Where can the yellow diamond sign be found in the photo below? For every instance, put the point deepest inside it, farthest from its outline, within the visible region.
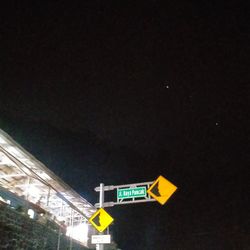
(161, 189)
(101, 220)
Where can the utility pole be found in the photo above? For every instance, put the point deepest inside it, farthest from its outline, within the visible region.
(101, 202)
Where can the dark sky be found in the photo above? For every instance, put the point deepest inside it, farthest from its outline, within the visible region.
(122, 91)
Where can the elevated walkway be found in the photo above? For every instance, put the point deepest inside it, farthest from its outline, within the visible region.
(31, 193)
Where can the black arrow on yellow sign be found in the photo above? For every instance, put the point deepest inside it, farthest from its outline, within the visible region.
(96, 220)
(155, 189)
(161, 190)
(101, 220)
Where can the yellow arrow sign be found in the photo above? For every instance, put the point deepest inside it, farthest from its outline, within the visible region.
(161, 189)
(101, 220)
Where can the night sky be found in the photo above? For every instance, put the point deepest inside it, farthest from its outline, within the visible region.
(122, 91)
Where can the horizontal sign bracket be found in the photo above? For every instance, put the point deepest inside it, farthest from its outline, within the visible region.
(133, 185)
(111, 204)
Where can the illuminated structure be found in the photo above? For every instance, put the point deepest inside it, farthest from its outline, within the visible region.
(41, 190)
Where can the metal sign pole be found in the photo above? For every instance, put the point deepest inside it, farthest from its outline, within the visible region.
(101, 202)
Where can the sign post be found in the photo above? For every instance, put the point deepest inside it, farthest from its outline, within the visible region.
(101, 200)
(159, 190)
(101, 220)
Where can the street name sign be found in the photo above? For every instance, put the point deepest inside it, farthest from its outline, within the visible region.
(101, 239)
(161, 190)
(128, 193)
(101, 220)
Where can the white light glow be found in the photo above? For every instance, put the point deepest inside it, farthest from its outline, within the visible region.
(11, 175)
(31, 213)
(4, 160)
(33, 191)
(2, 141)
(44, 176)
(79, 232)
(28, 162)
(15, 151)
(60, 218)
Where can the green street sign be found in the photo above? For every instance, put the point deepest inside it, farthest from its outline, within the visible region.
(128, 193)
